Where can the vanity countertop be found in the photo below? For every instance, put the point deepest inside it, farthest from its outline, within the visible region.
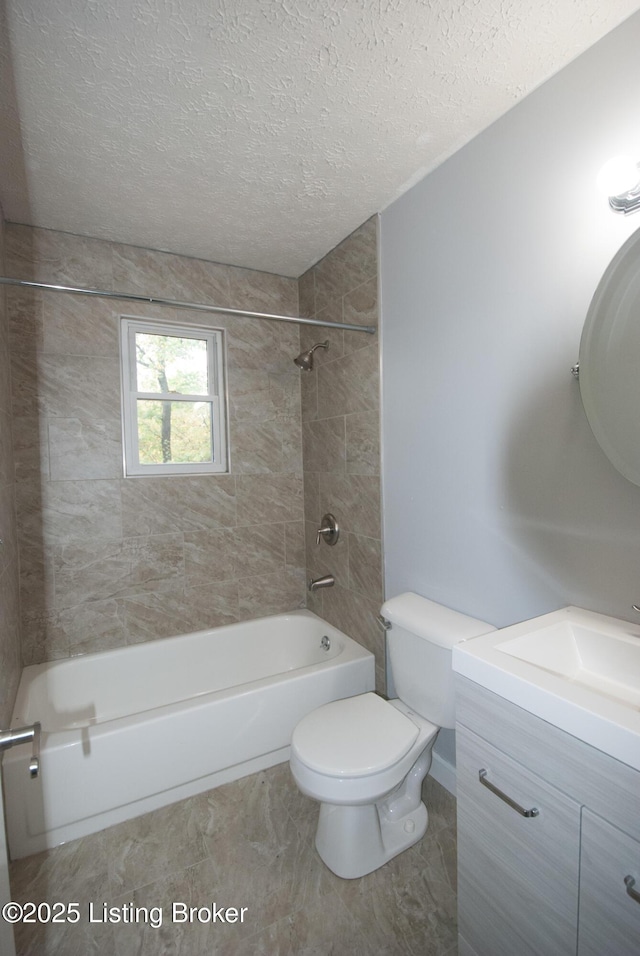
(573, 668)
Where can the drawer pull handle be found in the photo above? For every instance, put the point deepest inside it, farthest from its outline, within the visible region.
(533, 812)
(629, 882)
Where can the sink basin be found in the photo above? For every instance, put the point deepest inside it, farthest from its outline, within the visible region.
(574, 668)
(607, 664)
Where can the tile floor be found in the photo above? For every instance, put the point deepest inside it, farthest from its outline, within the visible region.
(246, 844)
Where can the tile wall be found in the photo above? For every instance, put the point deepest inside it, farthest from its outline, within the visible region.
(340, 437)
(107, 561)
(9, 597)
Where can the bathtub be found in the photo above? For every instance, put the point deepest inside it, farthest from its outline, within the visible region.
(133, 729)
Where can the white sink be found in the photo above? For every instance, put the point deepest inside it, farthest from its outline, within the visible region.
(574, 668)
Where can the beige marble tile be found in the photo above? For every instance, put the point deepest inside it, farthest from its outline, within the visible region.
(363, 443)
(26, 400)
(79, 386)
(84, 449)
(78, 325)
(37, 594)
(349, 384)
(261, 857)
(294, 544)
(265, 345)
(169, 613)
(150, 272)
(211, 606)
(233, 554)
(309, 395)
(354, 500)
(73, 873)
(156, 562)
(167, 899)
(360, 307)
(262, 292)
(273, 593)
(209, 556)
(30, 446)
(6, 446)
(365, 566)
(356, 615)
(248, 843)
(45, 255)
(149, 847)
(292, 445)
(181, 503)
(307, 295)
(10, 650)
(6, 401)
(347, 266)
(25, 316)
(442, 807)
(324, 445)
(90, 572)
(259, 549)
(314, 600)
(269, 498)
(312, 510)
(85, 629)
(257, 448)
(118, 568)
(92, 627)
(258, 395)
(8, 529)
(60, 511)
(322, 926)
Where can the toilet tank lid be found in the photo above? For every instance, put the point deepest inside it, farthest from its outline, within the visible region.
(434, 622)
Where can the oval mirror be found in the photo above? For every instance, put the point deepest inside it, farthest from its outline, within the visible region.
(610, 361)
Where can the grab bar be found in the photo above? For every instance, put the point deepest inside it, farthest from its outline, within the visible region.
(11, 738)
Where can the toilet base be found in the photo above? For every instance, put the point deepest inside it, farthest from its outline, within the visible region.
(353, 841)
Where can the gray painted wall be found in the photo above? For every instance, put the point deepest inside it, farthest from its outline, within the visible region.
(497, 500)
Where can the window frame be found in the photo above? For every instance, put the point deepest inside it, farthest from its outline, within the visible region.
(216, 397)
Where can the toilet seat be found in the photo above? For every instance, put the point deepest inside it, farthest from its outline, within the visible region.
(354, 737)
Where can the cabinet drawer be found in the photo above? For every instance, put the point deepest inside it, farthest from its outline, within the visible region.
(518, 875)
(609, 915)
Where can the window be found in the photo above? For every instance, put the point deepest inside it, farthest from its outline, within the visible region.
(174, 415)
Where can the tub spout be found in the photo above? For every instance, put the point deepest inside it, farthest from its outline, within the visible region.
(325, 582)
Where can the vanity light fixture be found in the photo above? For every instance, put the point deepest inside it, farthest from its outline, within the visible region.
(619, 179)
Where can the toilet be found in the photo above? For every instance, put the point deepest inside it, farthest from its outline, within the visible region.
(365, 758)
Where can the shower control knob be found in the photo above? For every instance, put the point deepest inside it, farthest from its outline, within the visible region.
(328, 530)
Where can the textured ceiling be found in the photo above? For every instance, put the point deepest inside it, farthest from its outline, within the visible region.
(258, 132)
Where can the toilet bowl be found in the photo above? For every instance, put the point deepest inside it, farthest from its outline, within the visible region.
(364, 759)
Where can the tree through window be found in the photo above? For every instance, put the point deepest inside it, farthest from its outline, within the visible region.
(172, 398)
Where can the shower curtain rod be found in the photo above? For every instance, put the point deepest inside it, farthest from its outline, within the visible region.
(197, 306)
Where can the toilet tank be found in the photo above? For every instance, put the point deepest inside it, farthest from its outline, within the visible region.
(419, 642)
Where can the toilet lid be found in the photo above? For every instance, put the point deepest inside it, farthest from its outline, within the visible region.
(353, 737)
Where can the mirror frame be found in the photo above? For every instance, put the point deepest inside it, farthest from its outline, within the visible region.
(609, 373)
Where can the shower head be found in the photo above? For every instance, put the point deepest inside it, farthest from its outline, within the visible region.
(304, 361)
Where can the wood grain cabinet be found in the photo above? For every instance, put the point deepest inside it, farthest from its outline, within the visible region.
(609, 891)
(548, 837)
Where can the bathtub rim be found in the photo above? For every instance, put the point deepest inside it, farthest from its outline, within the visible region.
(22, 714)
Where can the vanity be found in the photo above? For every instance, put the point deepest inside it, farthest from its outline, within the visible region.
(548, 786)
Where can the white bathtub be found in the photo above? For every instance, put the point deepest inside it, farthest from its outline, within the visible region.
(131, 730)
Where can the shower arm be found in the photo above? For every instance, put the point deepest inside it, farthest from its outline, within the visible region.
(176, 304)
